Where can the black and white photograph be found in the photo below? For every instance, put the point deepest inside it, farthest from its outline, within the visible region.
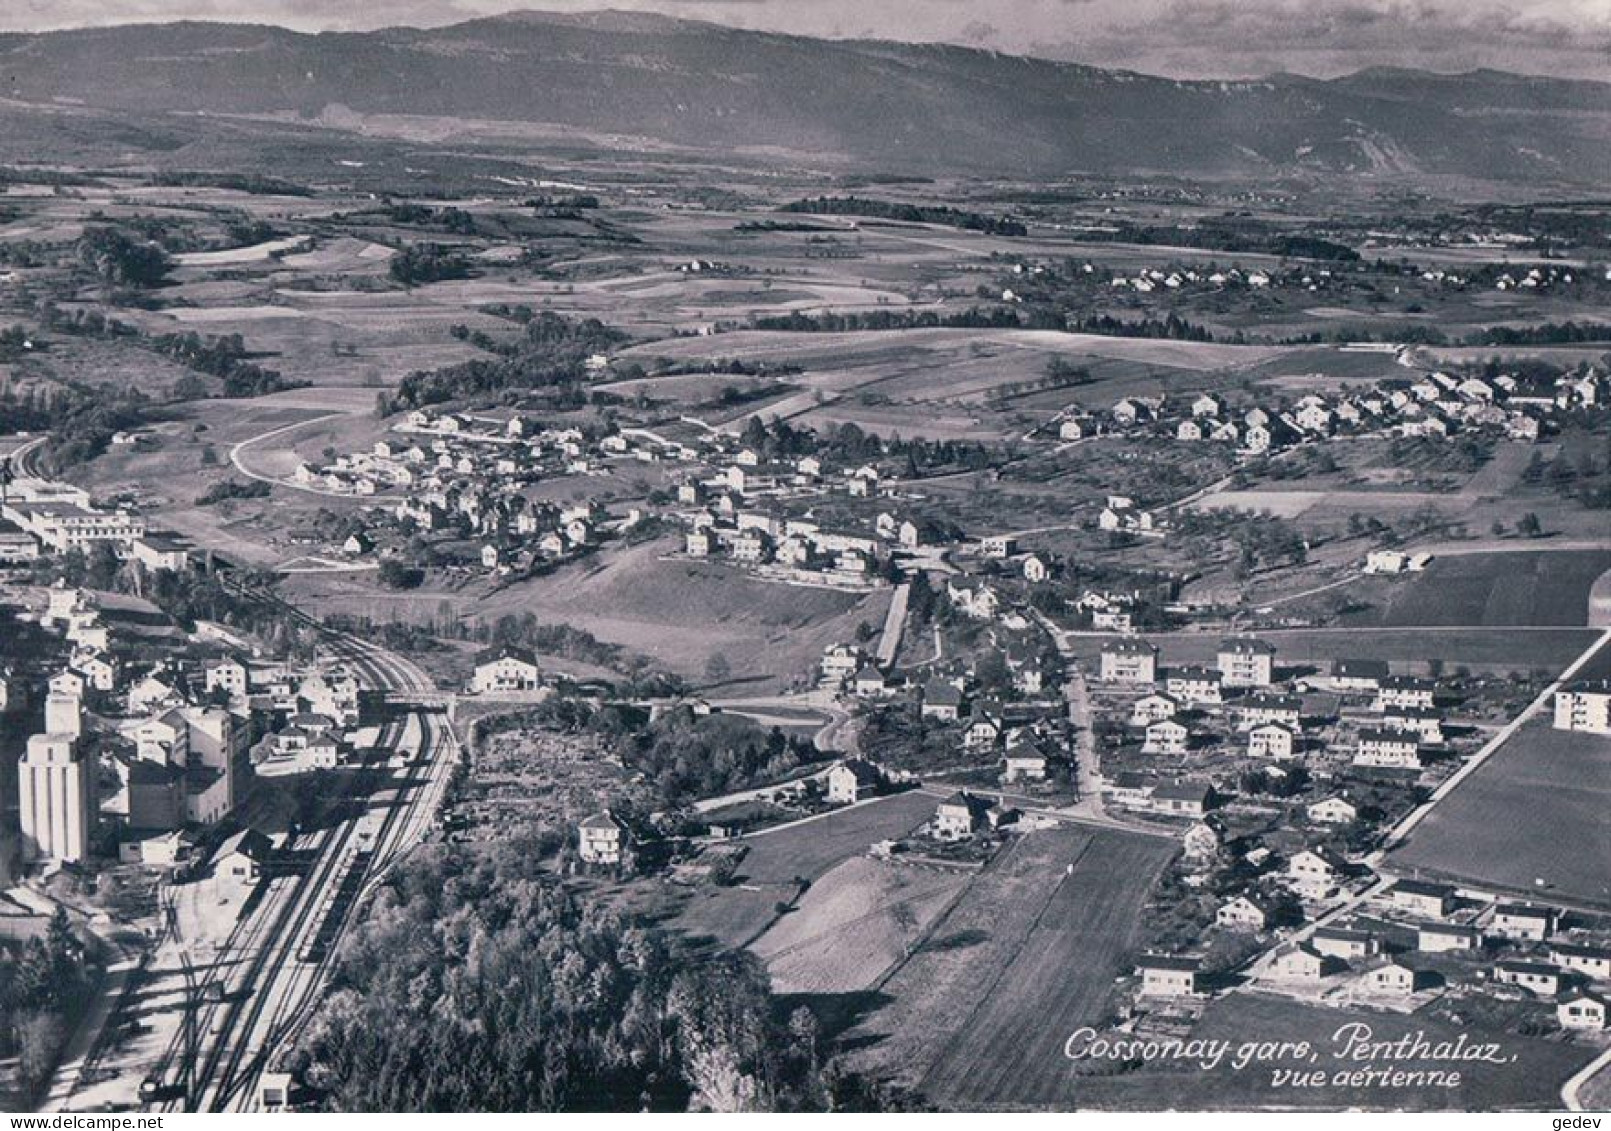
(805, 556)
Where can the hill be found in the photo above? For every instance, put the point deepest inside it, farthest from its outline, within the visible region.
(841, 104)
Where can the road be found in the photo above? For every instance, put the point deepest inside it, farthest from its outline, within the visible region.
(237, 450)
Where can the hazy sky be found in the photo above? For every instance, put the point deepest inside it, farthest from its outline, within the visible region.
(1176, 37)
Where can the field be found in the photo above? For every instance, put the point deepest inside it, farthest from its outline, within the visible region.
(854, 924)
(978, 1016)
(1531, 1081)
(736, 914)
(1538, 809)
(1500, 589)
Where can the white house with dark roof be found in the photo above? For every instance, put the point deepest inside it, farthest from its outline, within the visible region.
(1129, 661)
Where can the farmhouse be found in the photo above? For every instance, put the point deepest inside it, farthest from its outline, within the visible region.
(1582, 1010)
(1246, 662)
(1522, 921)
(1169, 977)
(1422, 898)
(1537, 977)
(1440, 938)
(1129, 661)
(853, 780)
(1584, 707)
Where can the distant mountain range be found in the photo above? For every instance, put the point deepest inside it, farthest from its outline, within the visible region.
(829, 103)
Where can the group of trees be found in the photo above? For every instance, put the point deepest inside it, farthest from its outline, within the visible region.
(42, 983)
(120, 260)
(427, 263)
(552, 352)
(225, 357)
(477, 982)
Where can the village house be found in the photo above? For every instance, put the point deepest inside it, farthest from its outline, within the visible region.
(1593, 962)
(1129, 661)
(1522, 921)
(1246, 662)
(505, 668)
(1584, 707)
(1536, 977)
(1442, 938)
(840, 662)
(999, 546)
(1422, 721)
(1263, 707)
(1183, 798)
(1271, 740)
(602, 840)
(983, 733)
(854, 780)
(1394, 978)
(1166, 976)
(1166, 737)
(1422, 897)
(1384, 748)
(1025, 759)
(943, 700)
(1302, 963)
(1316, 872)
(1036, 569)
(238, 864)
(1244, 913)
(1333, 811)
(1201, 841)
(1349, 945)
(227, 674)
(1582, 1010)
(1406, 691)
(959, 816)
(1128, 787)
(1153, 708)
(872, 683)
(1197, 686)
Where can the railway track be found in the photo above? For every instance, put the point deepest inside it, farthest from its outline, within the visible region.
(290, 949)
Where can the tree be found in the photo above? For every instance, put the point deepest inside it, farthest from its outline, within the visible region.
(717, 669)
(1528, 525)
(120, 260)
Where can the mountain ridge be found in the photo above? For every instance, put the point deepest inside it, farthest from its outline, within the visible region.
(918, 107)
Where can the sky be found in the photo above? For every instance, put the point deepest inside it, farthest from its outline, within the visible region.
(1181, 38)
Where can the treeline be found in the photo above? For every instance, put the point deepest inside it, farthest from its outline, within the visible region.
(255, 183)
(552, 352)
(118, 259)
(908, 213)
(233, 489)
(1546, 334)
(995, 318)
(478, 982)
(1229, 235)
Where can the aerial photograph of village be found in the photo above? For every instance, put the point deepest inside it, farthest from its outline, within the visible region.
(769, 557)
